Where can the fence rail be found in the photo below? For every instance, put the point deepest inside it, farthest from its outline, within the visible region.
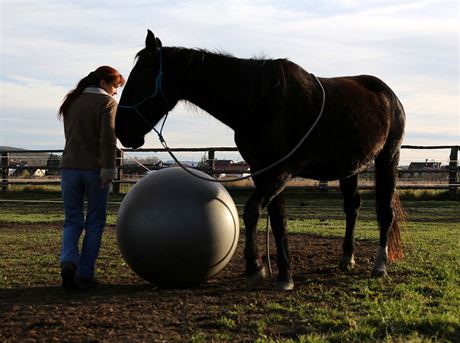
(452, 170)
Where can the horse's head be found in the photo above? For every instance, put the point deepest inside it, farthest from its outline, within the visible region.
(143, 101)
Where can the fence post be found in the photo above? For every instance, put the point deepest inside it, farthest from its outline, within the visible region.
(323, 186)
(5, 170)
(453, 171)
(119, 165)
(212, 161)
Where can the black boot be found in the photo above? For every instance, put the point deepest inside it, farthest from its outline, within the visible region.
(68, 270)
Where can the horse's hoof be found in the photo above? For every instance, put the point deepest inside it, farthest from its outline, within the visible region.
(285, 285)
(347, 263)
(253, 280)
(378, 273)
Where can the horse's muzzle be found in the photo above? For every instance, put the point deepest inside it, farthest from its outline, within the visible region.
(131, 142)
(138, 143)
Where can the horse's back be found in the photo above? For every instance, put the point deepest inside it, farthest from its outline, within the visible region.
(361, 115)
(354, 127)
(358, 85)
(391, 106)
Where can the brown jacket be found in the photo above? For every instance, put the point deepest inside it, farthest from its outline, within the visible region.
(89, 127)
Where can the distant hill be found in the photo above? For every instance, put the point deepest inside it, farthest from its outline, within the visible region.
(6, 148)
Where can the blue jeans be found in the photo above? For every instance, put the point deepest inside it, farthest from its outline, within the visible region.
(75, 184)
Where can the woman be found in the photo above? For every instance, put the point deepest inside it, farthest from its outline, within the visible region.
(88, 167)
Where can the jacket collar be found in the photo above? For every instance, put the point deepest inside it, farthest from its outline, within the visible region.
(95, 90)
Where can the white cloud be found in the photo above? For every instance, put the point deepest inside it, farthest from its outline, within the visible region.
(31, 94)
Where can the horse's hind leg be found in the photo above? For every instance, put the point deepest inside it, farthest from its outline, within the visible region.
(385, 183)
(276, 211)
(351, 205)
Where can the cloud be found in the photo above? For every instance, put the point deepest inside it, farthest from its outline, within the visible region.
(32, 94)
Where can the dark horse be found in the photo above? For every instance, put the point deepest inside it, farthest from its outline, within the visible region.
(270, 105)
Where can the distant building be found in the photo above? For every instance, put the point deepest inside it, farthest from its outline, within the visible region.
(224, 167)
(425, 166)
(420, 168)
(39, 173)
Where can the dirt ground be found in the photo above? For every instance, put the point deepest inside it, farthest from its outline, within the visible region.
(218, 310)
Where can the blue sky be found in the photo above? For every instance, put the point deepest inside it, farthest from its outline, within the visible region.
(47, 46)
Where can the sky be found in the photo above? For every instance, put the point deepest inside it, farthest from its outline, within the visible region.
(47, 46)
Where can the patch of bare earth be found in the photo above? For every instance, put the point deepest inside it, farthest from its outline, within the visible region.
(132, 310)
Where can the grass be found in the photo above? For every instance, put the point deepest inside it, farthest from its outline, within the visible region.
(423, 306)
(419, 302)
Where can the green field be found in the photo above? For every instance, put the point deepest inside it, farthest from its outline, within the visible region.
(418, 302)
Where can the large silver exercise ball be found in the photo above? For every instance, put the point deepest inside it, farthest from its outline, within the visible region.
(176, 230)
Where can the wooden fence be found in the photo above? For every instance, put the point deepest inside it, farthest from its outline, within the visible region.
(6, 166)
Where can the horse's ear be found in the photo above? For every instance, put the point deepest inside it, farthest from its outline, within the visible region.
(159, 45)
(150, 41)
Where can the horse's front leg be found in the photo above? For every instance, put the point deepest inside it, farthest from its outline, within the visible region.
(276, 211)
(351, 205)
(255, 270)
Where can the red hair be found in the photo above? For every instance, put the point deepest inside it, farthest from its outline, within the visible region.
(106, 73)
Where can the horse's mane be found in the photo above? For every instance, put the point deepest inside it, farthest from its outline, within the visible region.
(261, 77)
(254, 78)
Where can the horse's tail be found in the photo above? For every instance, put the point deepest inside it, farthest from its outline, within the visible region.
(395, 249)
